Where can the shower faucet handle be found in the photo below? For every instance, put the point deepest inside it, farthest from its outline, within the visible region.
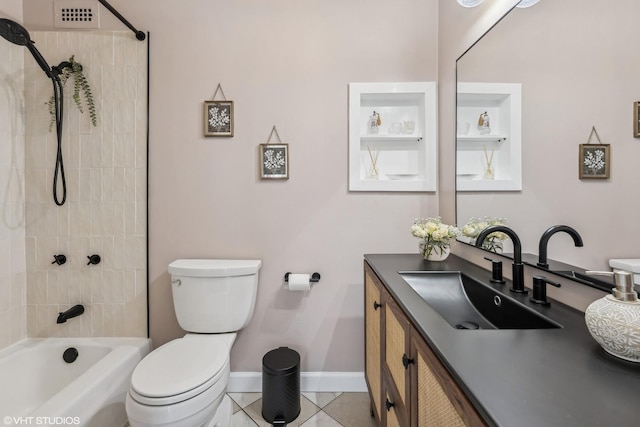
(93, 259)
(59, 259)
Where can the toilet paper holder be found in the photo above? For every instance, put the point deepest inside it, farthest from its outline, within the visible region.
(315, 277)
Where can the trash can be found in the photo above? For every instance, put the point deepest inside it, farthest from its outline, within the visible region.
(281, 386)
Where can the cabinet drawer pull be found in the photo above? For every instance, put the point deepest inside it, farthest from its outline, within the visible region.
(376, 305)
(389, 405)
(406, 361)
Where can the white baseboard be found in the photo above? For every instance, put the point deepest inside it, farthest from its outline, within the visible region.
(312, 382)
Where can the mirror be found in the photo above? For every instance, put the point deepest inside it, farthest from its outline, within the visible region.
(575, 64)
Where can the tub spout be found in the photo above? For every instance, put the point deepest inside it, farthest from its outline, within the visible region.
(74, 311)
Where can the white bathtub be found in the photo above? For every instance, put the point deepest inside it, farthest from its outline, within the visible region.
(40, 388)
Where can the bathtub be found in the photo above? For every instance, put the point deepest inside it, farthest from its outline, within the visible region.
(40, 388)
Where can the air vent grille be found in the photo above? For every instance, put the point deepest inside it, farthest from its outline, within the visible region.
(76, 14)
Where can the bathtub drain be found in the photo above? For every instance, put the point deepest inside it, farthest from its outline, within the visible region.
(70, 355)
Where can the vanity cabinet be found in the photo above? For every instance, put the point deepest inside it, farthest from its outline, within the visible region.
(408, 384)
(395, 372)
(392, 136)
(373, 349)
(499, 144)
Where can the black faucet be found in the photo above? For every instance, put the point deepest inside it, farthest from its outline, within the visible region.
(518, 267)
(74, 311)
(544, 240)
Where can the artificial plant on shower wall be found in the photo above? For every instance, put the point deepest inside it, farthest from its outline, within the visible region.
(80, 84)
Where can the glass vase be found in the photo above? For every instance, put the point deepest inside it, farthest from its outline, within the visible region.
(434, 253)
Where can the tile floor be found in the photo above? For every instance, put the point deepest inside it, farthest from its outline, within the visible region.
(316, 410)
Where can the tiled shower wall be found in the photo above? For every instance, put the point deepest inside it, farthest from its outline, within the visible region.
(105, 211)
(12, 226)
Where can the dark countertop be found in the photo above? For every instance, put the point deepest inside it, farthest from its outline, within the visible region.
(536, 377)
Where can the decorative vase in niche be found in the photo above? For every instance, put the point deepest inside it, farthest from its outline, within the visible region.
(433, 253)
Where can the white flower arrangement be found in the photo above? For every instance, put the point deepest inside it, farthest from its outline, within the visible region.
(493, 242)
(436, 237)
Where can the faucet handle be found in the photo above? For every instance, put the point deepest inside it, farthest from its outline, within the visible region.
(540, 290)
(59, 259)
(496, 270)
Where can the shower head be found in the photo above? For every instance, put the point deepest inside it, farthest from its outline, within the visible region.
(17, 34)
(14, 32)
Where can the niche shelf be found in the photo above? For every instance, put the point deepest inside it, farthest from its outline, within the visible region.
(502, 102)
(406, 157)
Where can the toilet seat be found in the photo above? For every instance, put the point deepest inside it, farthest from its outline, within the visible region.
(180, 369)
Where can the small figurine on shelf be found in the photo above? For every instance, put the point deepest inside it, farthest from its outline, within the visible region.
(484, 125)
(374, 123)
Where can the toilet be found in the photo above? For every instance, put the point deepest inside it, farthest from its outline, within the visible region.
(183, 382)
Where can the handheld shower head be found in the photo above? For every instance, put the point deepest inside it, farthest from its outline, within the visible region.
(14, 32)
(17, 34)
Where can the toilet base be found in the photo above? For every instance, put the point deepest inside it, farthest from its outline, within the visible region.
(222, 418)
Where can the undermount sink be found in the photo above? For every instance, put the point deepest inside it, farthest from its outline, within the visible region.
(466, 303)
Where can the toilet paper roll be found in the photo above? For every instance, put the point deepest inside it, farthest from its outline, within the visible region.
(299, 282)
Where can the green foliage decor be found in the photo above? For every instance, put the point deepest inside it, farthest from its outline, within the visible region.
(80, 84)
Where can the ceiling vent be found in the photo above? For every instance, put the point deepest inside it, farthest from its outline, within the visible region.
(76, 14)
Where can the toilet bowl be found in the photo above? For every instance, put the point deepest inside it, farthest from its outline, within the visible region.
(183, 382)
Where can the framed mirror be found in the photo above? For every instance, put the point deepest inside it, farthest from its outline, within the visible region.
(576, 68)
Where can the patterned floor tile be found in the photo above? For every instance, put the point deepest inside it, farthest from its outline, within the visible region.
(307, 410)
(321, 419)
(351, 410)
(321, 399)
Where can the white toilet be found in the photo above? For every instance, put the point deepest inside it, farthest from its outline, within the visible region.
(183, 382)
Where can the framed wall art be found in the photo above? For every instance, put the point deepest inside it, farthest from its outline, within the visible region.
(595, 161)
(274, 161)
(218, 118)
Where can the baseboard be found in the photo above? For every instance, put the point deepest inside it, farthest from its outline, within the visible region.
(312, 382)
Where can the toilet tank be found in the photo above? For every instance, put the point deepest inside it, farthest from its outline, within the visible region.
(214, 295)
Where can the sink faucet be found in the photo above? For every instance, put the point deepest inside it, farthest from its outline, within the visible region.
(544, 240)
(74, 311)
(517, 267)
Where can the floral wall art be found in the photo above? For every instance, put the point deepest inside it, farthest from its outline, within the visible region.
(274, 161)
(594, 161)
(218, 118)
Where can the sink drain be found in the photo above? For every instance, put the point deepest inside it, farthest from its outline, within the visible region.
(467, 325)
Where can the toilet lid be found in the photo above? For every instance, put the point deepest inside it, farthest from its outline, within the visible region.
(180, 366)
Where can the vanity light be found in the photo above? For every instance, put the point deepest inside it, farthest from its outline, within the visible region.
(527, 3)
(469, 3)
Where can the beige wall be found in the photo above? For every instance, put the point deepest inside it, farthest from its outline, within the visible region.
(105, 211)
(286, 64)
(12, 221)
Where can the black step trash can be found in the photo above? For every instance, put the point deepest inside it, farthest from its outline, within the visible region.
(281, 386)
